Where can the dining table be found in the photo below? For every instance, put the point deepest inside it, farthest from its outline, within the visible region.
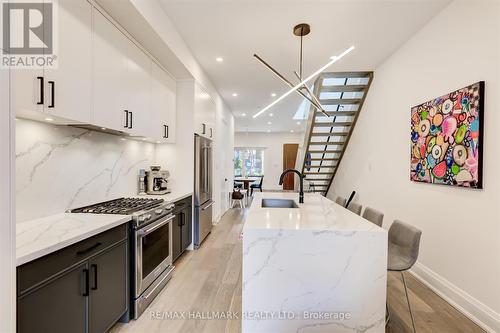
(246, 181)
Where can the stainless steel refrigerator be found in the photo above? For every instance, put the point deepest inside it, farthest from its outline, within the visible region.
(202, 189)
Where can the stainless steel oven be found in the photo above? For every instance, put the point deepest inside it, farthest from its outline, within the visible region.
(152, 246)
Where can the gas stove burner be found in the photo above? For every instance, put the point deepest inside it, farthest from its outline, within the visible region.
(122, 206)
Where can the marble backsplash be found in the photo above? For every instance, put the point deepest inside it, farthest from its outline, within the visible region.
(60, 167)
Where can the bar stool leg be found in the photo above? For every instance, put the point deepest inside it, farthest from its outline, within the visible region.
(408, 300)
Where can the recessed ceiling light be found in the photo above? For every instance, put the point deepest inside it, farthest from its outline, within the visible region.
(273, 94)
(235, 94)
(271, 114)
(243, 114)
(49, 119)
(219, 59)
(269, 123)
(298, 123)
(103, 128)
(291, 131)
(268, 131)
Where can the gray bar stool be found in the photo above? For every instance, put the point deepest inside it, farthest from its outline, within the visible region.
(404, 245)
(341, 201)
(355, 208)
(373, 216)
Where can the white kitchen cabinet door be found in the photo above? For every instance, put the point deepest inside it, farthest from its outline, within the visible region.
(204, 113)
(68, 88)
(110, 70)
(139, 90)
(27, 92)
(163, 105)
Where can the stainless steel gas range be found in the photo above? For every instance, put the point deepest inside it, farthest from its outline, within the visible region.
(150, 246)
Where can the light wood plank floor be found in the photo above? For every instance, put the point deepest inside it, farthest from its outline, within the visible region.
(210, 280)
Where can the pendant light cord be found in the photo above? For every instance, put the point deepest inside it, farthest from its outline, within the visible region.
(301, 37)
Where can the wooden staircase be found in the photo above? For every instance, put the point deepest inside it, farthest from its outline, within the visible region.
(342, 96)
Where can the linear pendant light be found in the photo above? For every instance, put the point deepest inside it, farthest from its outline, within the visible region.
(333, 60)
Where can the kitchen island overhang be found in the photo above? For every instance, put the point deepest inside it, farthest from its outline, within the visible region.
(315, 268)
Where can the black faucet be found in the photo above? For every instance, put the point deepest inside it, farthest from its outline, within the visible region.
(301, 178)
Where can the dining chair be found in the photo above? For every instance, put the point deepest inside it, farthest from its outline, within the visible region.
(373, 216)
(238, 196)
(404, 245)
(257, 186)
(341, 201)
(355, 208)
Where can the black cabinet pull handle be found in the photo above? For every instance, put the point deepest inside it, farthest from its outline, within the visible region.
(126, 119)
(93, 247)
(53, 93)
(179, 221)
(94, 267)
(86, 287)
(165, 131)
(131, 119)
(204, 131)
(40, 101)
(211, 132)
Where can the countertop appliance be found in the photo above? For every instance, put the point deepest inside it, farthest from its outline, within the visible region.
(150, 247)
(156, 181)
(202, 189)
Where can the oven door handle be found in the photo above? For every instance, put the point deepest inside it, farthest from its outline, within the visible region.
(147, 231)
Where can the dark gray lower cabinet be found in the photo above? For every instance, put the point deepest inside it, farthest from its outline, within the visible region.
(108, 280)
(56, 307)
(79, 289)
(182, 228)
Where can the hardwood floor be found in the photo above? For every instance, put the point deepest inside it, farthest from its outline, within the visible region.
(209, 280)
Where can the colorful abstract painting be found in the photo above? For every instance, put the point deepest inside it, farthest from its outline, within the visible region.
(446, 138)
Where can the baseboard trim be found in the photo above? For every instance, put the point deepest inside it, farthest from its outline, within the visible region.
(476, 311)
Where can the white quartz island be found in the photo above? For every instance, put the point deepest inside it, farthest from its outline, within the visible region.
(316, 268)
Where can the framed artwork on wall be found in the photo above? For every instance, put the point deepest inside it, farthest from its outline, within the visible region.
(447, 138)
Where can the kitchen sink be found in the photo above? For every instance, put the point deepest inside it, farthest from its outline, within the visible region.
(279, 203)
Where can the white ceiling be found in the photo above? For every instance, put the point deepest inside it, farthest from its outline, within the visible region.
(236, 29)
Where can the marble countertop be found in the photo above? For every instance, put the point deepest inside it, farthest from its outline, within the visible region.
(317, 213)
(169, 197)
(39, 237)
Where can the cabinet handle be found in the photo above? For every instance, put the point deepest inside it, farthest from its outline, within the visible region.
(204, 129)
(126, 119)
(93, 247)
(165, 131)
(131, 119)
(94, 267)
(211, 132)
(53, 93)
(40, 101)
(86, 287)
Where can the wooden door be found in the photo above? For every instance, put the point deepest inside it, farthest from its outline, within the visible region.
(289, 157)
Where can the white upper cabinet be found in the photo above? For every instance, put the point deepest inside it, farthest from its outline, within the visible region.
(163, 105)
(103, 79)
(138, 80)
(110, 81)
(63, 92)
(204, 113)
(68, 90)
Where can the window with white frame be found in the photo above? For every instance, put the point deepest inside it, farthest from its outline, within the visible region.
(248, 162)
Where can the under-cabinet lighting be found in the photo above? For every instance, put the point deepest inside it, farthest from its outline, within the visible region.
(273, 94)
(49, 119)
(333, 60)
(219, 59)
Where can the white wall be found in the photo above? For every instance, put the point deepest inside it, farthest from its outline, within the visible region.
(7, 212)
(460, 249)
(273, 154)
